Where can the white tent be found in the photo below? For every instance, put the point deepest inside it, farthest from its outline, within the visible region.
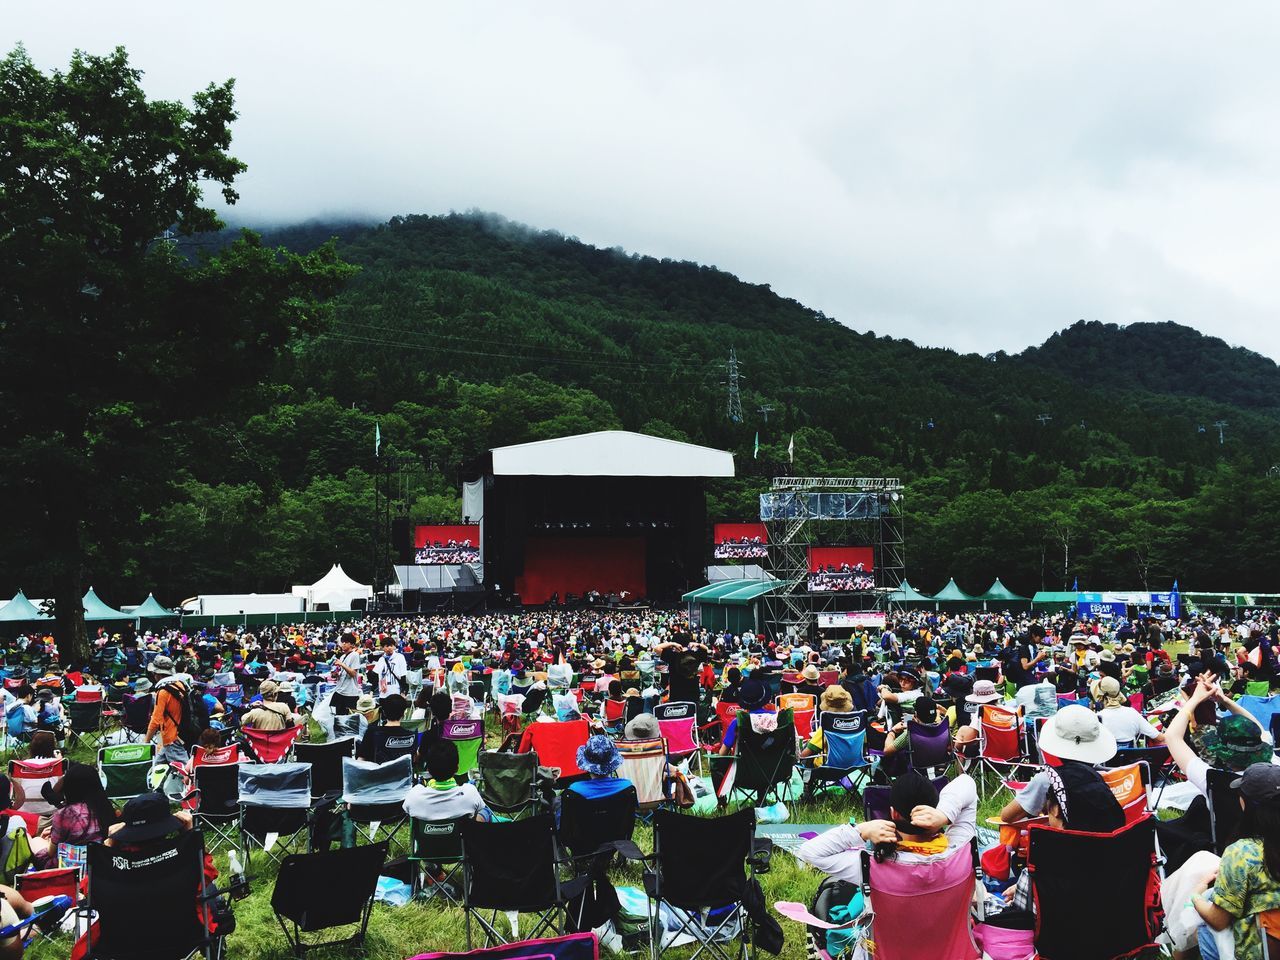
(335, 589)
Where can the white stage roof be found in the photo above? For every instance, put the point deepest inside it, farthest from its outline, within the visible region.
(611, 453)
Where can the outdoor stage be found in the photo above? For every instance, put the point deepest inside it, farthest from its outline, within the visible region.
(613, 515)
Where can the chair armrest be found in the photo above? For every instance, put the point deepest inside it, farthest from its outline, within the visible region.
(761, 854)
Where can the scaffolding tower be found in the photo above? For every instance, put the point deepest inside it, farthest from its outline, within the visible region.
(804, 512)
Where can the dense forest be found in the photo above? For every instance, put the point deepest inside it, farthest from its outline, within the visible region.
(1094, 456)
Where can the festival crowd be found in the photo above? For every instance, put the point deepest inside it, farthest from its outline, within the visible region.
(1082, 693)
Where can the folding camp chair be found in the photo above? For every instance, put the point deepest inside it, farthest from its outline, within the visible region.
(1262, 709)
(468, 737)
(85, 717)
(32, 776)
(127, 769)
(347, 726)
(1160, 766)
(709, 900)
(374, 796)
(326, 764)
(270, 746)
(1131, 785)
(508, 783)
(137, 715)
(60, 886)
(920, 911)
(725, 714)
(435, 848)
(275, 809)
(804, 710)
(1258, 688)
(1002, 743)
(928, 747)
(320, 891)
(762, 761)
(613, 714)
(147, 903)
(217, 803)
(575, 946)
(556, 744)
(644, 763)
(844, 756)
(588, 823)
(1224, 809)
(495, 879)
(678, 723)
(1124, 916)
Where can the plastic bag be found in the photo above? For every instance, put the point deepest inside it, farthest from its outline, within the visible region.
(393, 892)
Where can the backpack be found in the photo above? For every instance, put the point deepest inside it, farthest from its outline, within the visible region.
(194, 719)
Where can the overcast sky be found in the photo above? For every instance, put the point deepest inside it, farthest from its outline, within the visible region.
(969, 175)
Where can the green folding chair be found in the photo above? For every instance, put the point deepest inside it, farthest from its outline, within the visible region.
(126, 769)
(1258, 688)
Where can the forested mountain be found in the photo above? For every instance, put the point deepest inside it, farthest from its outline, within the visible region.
(463, 332)
(1161, 358)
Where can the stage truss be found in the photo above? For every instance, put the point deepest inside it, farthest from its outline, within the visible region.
(862, 511)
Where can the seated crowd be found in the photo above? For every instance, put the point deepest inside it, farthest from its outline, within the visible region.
(937, 713)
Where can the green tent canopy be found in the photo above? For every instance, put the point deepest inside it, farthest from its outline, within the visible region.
(740, 592)
(150, 609)
(999, 592)
(1054, 599)
(952, 593)
(908, 594)
(95, 609)
(21, 610)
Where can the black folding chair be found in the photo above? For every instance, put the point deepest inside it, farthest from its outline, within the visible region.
(436, 849)
(137, 715)
(326, 764)
(1224, 809)
(515, 867)
(275, 809)
(587, 823)
(320, 891)
(146, 903)
(217, 797)
(765, 760)
(509, 782)
(1123, 919)
(710, 898)
(86, 722)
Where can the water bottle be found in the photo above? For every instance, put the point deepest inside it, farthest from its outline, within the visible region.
(239, 885)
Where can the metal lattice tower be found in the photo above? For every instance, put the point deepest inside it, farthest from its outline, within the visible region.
(735, 395)
(792, 608)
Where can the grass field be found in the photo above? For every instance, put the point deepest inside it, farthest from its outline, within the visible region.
(399, 932)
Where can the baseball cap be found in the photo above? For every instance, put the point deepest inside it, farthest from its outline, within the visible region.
(1260, 783)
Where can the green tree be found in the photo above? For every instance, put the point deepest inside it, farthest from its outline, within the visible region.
(110, 341)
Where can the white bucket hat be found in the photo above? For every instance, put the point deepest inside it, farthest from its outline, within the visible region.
(1076, 733)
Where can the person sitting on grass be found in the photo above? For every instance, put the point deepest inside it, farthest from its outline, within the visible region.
(442, 797)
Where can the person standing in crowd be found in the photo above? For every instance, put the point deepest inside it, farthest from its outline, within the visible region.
(391, 670)
(1022, 654)
(166, 716)
(347, 667)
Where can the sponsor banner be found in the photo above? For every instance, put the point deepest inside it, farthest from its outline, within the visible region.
(853, 620)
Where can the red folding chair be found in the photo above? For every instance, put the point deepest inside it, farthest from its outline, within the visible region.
(89, 694)
(556, 744)
(59, 882)
(271, 746)
(804, 708)
(615, 712)
(1002, 742)
(218, 755)
(31, 776)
